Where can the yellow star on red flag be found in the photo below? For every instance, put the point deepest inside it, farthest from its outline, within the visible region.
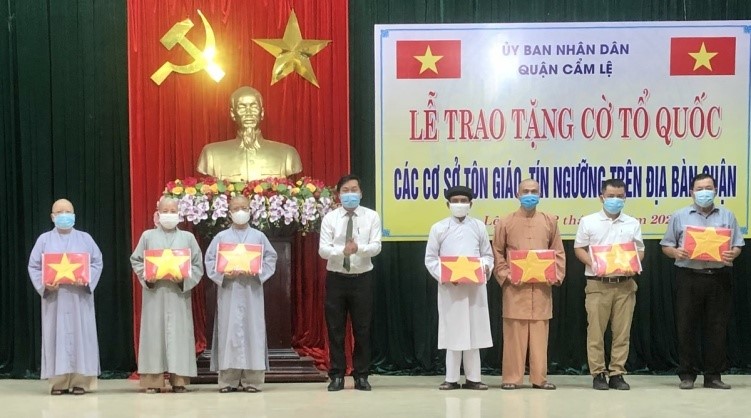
(532, 266)
(617, 259)
(62, 268)
(428, 61)
(706, 243)
(292, 52)
(239, 257)
(459, 269)
(167, 264)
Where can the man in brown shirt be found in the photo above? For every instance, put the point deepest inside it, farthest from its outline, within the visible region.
(527, 307)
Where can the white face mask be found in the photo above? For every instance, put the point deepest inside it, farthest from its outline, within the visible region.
(241, 217)
(169, 220)
(459, 210)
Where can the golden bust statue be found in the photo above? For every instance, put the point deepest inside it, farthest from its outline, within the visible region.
(249, 156)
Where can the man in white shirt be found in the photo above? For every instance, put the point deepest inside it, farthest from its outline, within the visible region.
(350, 236)
(608, 299)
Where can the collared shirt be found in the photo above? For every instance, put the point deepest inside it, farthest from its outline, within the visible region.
(599, 229)
(693, 216)
(366, 231)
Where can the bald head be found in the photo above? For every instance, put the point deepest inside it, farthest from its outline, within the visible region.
(528, 186)
(167, 204)
(239, 202)
(62, 206)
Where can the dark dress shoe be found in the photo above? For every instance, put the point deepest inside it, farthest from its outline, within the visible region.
(474, 385)
(618, 382)
(337, 384)
(449, 386)
(600, 382)
(716, 384)
(686, 384)
(361, 383)
(545, 386)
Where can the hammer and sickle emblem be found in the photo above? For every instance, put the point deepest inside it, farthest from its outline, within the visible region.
(202, 60)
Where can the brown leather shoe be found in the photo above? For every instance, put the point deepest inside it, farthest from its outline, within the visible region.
(474, 385)
(449, 386)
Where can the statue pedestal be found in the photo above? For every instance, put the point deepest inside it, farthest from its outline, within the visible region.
(284, 362)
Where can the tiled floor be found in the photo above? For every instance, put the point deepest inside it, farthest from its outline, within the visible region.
(409, 397)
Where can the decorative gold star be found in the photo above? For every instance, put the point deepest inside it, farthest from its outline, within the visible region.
(64, 269)
(617, 259)
(168, 264)
(708, 242)
(428, 61)
(292, 52)
(463, 268)
(533, 267)
(239, 258)
(703, 58)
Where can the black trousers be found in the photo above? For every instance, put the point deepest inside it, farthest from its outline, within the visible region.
(702, 299)
(353, 296)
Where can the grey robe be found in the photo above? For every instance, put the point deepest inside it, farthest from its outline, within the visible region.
(69, 339)
(167, 343)
(239, 340)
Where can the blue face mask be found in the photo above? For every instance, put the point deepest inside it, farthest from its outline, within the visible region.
(613, 205)
(65, 220)
(350, 200)
(704, 198)
(529, 201)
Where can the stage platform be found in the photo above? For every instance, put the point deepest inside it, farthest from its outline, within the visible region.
(409, 397)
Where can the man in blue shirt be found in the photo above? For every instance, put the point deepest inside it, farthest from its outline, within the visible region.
(702, 287)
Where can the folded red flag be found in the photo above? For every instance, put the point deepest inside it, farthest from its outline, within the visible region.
(615, 260)
(167, 264)
(244, 258)
(706, 243)
(462, 270)
(532, 266)
(66, 268)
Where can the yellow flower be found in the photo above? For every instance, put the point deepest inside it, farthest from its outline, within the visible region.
(311, 187)
(214, 188)
(176, 190)
(231, 188)
(258, 189)
(190, 191)
(295, 191)
(299, 182)
(205, 189)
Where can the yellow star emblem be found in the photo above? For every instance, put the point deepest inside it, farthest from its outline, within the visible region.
(702, 58)
(708, 242)
(239, 258)
(533, 267)
(292, 52)
(168, 264)
(428, 61)
(64, 269)
(617, 259)
(463, 268)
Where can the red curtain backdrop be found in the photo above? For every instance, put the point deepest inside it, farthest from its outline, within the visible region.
(170, 124)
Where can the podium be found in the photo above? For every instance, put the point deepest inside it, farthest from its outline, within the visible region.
(284, 363)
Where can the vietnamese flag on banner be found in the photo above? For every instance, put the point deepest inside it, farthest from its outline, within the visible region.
(462, 270)
(532, 266)
(702, 56)
(429, 59)
(66, 268)
(245, 258)
(167, 264)
(615, 260)
(706, 243)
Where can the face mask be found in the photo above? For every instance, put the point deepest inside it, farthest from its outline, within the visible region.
(613, 205)
(529, 201)
(459, 210)
(241, 217)
(169, 220)
(704, 198)
(65, 220)
(350, 200)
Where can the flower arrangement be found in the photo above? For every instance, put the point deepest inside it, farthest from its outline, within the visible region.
(278, 206)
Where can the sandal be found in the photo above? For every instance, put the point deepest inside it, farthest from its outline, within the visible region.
(509, 386)
(544, 386)
(78, 391)
(179, 389)
(57, 392)
(227, 389)
(251, 389)
(153, 390)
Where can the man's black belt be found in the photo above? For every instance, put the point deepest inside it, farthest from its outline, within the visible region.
(350, 275)
(708, 272)
(611, 279)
